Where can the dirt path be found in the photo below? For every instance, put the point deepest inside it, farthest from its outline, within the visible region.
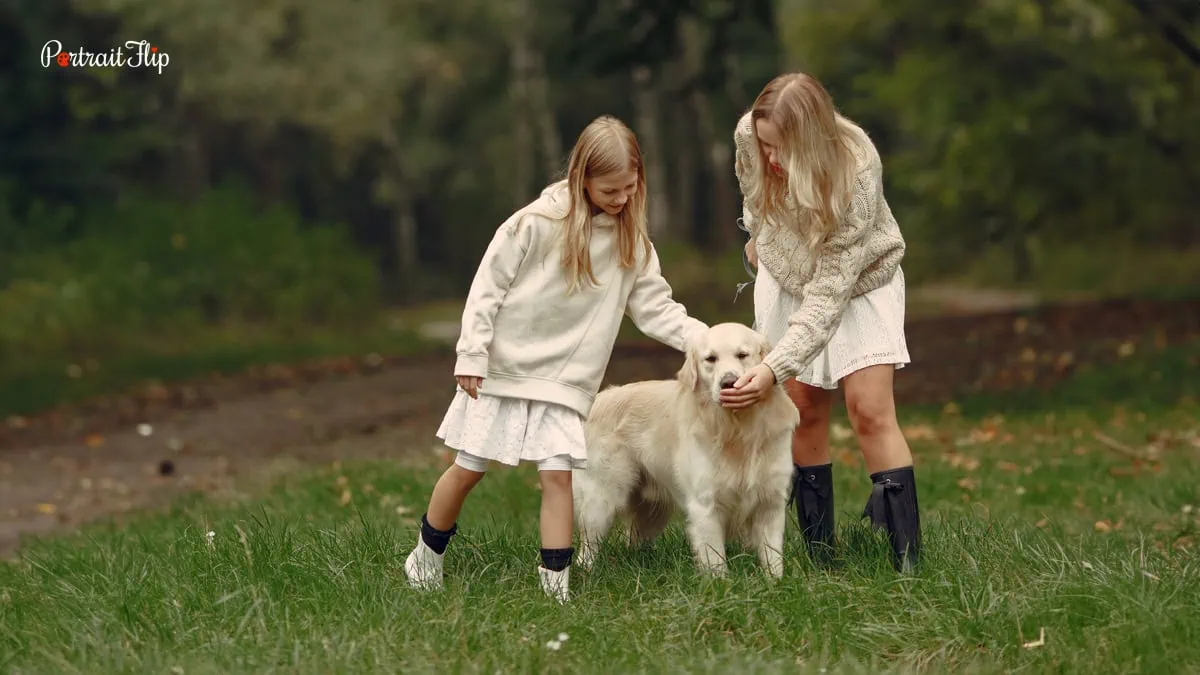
(110, 457)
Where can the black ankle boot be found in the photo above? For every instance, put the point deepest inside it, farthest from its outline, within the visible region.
(892, 506)
(812, 490)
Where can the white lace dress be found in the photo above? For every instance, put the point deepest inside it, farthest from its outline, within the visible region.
(871, 331)
(513, 430)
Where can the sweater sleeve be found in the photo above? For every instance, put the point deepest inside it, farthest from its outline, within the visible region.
(655, 313)
(840, 261)
(495, 274)
(744, 158)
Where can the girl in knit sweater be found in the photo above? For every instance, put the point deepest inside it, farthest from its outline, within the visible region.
(829, 294)
(538, 330)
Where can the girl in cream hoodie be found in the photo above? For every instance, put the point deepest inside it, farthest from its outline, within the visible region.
(538, 330)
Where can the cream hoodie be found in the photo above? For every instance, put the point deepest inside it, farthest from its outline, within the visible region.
(528, 339)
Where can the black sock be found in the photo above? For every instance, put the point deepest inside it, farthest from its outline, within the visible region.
(557, 559)
(434, 538)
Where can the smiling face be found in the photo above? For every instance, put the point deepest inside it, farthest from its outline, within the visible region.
(720, 357)
(611, 192)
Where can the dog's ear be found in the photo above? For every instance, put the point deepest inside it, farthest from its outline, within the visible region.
(689, 374)
(764, 348)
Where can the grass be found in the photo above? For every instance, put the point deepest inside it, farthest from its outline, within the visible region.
(1031, 524)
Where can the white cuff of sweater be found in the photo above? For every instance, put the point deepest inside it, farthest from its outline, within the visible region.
(471, 365)
(781, 366)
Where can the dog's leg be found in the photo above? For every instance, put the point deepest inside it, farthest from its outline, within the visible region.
(766, 534)
(649, 511)
(595, 508)
(705, 533)
(647, 522)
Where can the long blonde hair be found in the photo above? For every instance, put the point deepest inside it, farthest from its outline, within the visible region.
(816, 154)
(606, 146)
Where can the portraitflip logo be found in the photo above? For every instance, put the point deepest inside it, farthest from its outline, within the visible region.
(134, 54)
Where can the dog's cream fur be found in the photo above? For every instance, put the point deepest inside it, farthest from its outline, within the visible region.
(660, 445)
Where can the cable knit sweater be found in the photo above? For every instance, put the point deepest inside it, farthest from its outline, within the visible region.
(528, 339)
(858, 257)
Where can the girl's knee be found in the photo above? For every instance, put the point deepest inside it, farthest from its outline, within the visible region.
(813, 403)
(872, 412)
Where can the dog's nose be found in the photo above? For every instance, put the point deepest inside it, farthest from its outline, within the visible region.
(728, 380)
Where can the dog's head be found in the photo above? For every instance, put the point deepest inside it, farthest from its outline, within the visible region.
(719, 356)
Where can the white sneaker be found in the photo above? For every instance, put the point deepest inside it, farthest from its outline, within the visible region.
(556, 584)
(423, 567)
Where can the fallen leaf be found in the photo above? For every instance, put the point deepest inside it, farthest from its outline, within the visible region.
(1043, 522)
(839, 432)
(48, 509)
(1104, 526)
(1007, 466)
(920, 432)
(968, 483)
(403, 510)
(346, 497)
(1126, 349)
(1040, 642)
(94, 440)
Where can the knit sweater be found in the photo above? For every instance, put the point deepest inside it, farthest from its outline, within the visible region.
(861, 255)
(528, 339)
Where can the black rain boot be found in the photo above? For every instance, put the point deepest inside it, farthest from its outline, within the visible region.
(892, 506)
(812, 490)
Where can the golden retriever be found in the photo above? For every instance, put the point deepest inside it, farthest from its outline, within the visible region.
(660, 445)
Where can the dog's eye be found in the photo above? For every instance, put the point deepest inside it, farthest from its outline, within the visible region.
(742, 355)
(711, 358)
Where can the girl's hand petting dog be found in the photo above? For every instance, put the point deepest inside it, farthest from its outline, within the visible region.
(470, 384)
(750, 387)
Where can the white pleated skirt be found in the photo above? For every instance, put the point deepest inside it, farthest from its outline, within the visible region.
(870, 333)
(513, 430)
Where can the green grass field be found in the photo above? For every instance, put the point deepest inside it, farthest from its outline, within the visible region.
(1048, 548)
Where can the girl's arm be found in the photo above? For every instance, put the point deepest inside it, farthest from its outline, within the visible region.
(655, 313)
(492, 280)
(840, 261)
(744, 158)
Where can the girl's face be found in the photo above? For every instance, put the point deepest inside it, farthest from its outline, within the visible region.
(771, 141)
(610, 193)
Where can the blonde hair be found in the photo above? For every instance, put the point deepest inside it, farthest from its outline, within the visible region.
(816, 155)
(606, 146)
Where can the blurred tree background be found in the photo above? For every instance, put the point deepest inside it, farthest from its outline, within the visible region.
(303, 167)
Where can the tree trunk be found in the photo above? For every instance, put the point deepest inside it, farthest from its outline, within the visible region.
(269, 169)
(394, 188)
(404, 237)
(519, 63)
(687, 167)
(645, 101)
(721, 216)
(192, 159)
(539, 105)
